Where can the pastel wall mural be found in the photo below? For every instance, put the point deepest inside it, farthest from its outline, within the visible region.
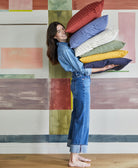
(4, 4)
(21, 58)
(20, 5)
(35, 96)
(108, 4)
(40, 5)
(127, 33)
(24, 94)
(60, 5)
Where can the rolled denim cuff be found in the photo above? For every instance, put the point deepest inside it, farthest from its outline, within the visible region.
(78, 148)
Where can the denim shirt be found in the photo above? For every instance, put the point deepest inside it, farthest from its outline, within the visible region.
(69, 61)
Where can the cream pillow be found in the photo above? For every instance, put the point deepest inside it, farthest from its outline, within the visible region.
(104, 56)
(102, 38)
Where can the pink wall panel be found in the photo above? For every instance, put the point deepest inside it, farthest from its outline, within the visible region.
(114, 93)
(25, 94)
(26, 58)
(4, 4)
(127, 32)
(40, 4)
(108, 4)
(121, 4)
(79, 4)
(60, 94)
(20, 4)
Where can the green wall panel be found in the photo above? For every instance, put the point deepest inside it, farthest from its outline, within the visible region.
(61, 16)
(16, 76)
(59, 121)
(56, 71)
(60, 4)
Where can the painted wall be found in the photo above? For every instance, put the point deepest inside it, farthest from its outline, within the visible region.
(35, 97)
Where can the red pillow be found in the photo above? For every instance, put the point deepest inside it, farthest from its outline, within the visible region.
(84, 16)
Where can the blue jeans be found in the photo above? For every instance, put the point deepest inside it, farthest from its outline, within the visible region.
(79, 126)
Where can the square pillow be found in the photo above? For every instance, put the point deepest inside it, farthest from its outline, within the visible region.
(121, 62)
(111, 46)
(84, 16)
(99, 57)
(91, 29)
(104, 37)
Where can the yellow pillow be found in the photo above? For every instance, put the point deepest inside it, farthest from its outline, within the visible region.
(103, 56)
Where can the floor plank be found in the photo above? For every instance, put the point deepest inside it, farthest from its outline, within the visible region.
(61, 160)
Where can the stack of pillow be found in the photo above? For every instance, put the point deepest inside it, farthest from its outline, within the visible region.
(93, 42)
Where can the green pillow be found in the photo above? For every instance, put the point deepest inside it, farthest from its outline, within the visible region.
(111, 46)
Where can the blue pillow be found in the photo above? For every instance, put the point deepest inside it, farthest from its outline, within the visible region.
(121, 62)
(88, 31)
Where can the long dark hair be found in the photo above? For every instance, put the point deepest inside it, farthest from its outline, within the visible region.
(51, 42)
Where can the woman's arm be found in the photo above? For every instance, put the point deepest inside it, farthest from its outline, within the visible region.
(71, 63)
(104, 68)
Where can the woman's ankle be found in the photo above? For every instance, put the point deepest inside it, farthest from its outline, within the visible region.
(73, 157)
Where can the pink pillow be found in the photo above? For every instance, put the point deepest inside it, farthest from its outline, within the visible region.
(84, 16)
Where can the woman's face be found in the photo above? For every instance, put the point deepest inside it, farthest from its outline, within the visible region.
(61, 34)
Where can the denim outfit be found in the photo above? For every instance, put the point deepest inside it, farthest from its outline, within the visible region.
(80, 87)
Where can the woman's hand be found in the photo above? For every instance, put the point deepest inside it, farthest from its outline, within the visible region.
(109, 67)
(104, 68)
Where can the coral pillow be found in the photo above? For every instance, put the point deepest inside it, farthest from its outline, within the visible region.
(104, 37)
(84, 16)
(121, 62)
(99, 57)
(111, 46)
(88, 31)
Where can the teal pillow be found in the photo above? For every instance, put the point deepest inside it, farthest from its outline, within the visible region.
(111, 46)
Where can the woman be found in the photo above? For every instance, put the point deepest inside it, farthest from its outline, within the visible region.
(59, 51)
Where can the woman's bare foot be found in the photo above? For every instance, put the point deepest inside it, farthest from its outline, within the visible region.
(83, 159)
(76, 161)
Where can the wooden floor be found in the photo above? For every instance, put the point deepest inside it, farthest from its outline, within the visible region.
(61, 161)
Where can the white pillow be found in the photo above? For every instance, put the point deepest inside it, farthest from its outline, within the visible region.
(102, 38)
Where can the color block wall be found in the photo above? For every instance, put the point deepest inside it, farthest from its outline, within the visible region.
(35, 97)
